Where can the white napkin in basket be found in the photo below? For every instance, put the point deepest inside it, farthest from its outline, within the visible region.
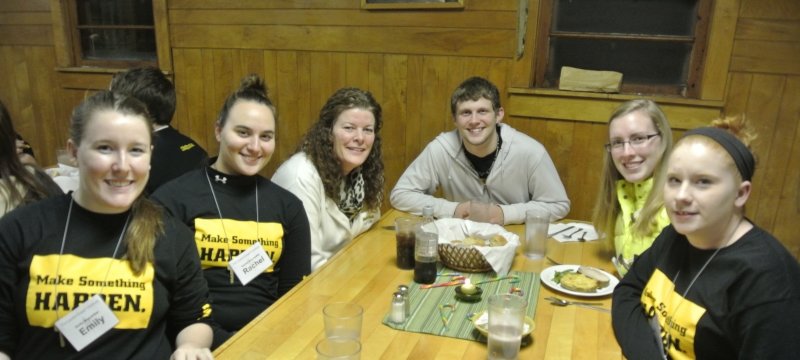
(499, 257)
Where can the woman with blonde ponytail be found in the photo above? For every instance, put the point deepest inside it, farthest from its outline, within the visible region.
(103, 254)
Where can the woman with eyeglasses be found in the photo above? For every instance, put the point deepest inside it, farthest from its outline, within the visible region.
(628, 210)
(714, 285)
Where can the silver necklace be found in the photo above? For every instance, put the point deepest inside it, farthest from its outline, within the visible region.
(61, 253)
(222, 222)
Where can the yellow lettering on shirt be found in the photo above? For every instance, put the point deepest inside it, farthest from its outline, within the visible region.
(218, 241)
(56, 287)
(677, 316)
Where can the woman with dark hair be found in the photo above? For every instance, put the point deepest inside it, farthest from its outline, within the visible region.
(338, 172)
(19, 183)
(713, 285)
(233, 210)
(102, 267)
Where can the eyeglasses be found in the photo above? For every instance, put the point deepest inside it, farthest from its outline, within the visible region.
(636, 141)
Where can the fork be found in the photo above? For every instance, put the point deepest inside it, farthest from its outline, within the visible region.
(583, 236)
(570, 235)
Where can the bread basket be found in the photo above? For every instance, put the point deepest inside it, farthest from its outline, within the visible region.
(469, 246)
(463, 258)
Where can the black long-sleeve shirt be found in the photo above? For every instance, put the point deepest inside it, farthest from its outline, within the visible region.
(282, 228)
(744, 305)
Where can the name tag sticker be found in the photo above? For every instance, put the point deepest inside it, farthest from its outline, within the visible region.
(250, 263)
(87, 322)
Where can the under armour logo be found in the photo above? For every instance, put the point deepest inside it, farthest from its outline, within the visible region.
(221, 179)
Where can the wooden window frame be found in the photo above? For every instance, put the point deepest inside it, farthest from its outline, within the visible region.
(696, 61)
(67, 45)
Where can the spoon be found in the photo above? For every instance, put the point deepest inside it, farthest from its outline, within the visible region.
(561, 302)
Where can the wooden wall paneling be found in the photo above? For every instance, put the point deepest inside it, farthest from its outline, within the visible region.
(377, 69)
(326, 17)
(61, 33)
(25, 18)
(272, 4)
(788, 209)
(306, 113)
(767, 29)
(718, 49)
(738, 93)
(762, 109)
(191, 116)
(211, 101)
(774, 57)
(508, 5)
(431, 41)
(24, 5)
(357, 70)
(770, 9)
(435, 117)
(32, 35)
(416, 117)
(393, 104)
(291, 130)
(44, 90)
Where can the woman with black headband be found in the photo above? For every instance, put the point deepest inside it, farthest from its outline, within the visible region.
(713, 285)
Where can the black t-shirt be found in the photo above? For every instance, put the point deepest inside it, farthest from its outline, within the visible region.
(37, 286)
(282, 228)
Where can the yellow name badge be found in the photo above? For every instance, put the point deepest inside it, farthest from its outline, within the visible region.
(87, 322)
(56, 288)
(219, 241)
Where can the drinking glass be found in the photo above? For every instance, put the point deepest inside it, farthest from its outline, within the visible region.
(338, 349)
(537, 222)
(404, 235)
(343, 320)
(506, 321)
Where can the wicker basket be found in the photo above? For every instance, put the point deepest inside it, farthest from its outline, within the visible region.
(463, 258)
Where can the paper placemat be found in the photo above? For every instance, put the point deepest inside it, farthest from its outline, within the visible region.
(425, 315)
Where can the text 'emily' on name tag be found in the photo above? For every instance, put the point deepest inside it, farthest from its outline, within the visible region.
(87, 322)
(250, 263)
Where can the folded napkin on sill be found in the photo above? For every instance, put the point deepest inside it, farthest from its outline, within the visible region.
(426, 317)
(561, 234)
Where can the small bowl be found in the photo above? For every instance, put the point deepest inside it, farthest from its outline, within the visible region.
(483, 328)
(469, 297)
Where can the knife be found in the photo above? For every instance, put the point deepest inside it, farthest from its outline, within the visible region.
(560, 231)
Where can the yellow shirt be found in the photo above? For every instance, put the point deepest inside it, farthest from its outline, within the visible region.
(631, 199)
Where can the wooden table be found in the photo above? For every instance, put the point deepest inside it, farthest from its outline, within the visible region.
(364, 272)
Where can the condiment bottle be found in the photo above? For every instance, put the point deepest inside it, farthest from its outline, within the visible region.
(397, 314)
(425, 254)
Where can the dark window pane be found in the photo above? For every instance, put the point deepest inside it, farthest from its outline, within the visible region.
(651, 17)
(118, 12)
(640, 62)
(119, 44)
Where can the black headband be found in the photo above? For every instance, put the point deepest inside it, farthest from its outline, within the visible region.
(741, 155)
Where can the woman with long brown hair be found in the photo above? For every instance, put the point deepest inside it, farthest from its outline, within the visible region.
(338, 171)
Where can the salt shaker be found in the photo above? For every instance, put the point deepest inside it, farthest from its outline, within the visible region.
(397, 314)
(403, 290)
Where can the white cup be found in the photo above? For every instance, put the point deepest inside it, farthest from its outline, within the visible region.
(506, 321)
(537, 221)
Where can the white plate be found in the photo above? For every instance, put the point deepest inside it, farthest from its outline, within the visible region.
(547, 279)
